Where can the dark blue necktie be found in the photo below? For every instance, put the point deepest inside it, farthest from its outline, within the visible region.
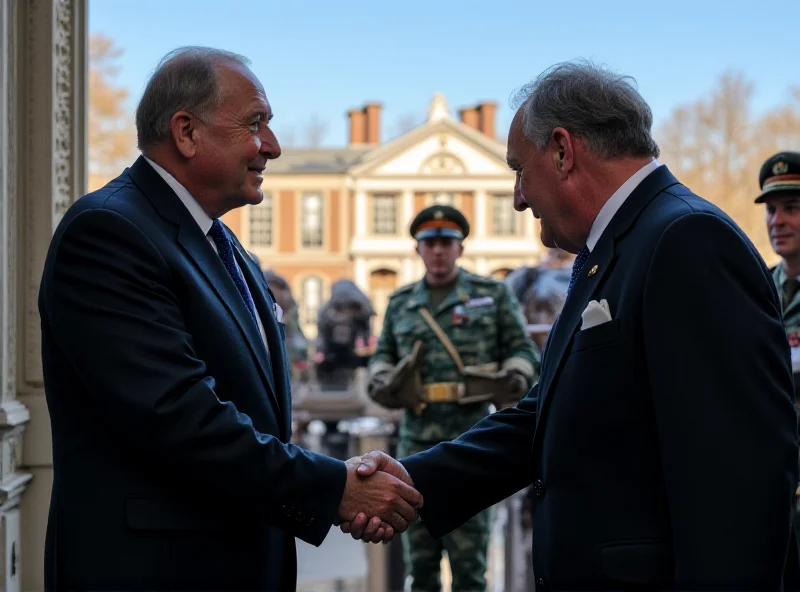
(225, 249)
(580, 260)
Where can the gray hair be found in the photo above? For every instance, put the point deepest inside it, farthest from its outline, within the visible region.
(602, 108)
(184, 80)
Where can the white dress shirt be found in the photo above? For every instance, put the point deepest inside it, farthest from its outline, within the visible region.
(615, 202)
(203, 220)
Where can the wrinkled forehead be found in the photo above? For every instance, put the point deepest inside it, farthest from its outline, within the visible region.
(516, 147)
(237, 81)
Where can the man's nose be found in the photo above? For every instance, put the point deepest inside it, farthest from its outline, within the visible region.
(520, 204)
(270, 147)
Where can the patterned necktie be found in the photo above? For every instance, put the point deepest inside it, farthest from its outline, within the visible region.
(580, 260)
(225, 249)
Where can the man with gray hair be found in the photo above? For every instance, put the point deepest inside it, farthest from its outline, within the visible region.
(165, 367)
(660, 439)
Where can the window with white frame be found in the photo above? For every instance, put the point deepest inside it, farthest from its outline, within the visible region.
(444, 199)
(311, 220)
(384, 214)
(261, 223)
(312, 299)
(505, 220)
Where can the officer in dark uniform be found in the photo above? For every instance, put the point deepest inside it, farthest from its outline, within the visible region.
(779, 180)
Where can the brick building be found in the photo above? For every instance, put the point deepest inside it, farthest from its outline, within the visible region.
(330, 213)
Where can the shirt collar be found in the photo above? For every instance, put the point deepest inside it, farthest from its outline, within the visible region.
(203, 220)
(606, 213)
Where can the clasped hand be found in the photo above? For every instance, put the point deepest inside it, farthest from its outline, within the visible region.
(379, 498)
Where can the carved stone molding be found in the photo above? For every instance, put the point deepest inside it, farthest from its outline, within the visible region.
(12, 488)
(54, 172)
(13, 413)
(8, 200)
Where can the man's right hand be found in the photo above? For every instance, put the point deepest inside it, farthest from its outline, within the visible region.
(362, 527)
(370, 493)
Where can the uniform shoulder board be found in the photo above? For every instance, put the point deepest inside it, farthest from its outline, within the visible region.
(402, 290)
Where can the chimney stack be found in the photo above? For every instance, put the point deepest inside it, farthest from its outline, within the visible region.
(373, 115)
(358, 128)
(365, 124)
(486, 116)
(469, 116)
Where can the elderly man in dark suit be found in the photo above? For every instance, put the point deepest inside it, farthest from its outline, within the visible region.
(165, 367)
(660, 439)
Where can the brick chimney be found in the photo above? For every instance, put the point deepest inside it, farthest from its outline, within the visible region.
(469, 116)
(365, 124)
(486, 116)
(373, 115)
(358, 126)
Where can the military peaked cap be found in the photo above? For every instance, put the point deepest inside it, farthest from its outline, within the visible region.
(439, 221)
(780, 175)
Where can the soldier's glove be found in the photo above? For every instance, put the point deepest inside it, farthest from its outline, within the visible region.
(511, 388)
(502, 388)
(400, 387)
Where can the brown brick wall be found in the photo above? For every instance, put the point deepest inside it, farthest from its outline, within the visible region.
(468, 208)
(287, 223)
(334, 222)
(235, 220)
(419, 202)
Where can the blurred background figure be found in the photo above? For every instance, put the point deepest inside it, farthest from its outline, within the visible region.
(296, 343)
(344, 340)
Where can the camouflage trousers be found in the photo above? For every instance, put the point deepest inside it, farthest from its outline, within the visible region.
(466, 548)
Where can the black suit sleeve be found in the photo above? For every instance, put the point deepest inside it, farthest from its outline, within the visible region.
(482, 467)
(109, 298)
(720, 371)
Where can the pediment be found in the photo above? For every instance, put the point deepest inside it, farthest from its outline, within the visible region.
(440, 149)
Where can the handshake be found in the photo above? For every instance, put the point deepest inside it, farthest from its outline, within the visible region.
(379, 498)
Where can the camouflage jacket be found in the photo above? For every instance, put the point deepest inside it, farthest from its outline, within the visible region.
(484, 323)
(791, 314)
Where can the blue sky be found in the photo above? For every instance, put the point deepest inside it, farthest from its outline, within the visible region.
(318, 58)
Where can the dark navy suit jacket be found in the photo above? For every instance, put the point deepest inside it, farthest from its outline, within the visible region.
(173, 467)
(662, 445)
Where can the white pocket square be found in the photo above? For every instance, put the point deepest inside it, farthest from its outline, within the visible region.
(595, 314)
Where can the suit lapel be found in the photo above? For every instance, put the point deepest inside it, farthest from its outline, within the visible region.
(590, 277)
(199, 250)
(596, 268)
(277, 351)
(210, 265)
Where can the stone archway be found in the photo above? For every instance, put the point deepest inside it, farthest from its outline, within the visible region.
(43, 169)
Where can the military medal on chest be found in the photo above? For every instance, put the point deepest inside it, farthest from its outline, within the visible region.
(459, 314)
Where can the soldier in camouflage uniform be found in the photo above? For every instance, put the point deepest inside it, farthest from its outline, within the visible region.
(779, 180)
(496, 364)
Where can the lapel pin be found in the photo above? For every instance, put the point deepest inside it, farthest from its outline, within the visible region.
(592, 271)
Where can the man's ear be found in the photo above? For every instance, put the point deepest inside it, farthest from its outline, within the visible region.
(185, 133)
(562, 148)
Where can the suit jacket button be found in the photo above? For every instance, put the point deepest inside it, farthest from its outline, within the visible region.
(310, 521)
(538, 488)
(540, 585)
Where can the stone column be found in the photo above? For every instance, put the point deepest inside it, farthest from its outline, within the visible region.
(361, 229)
(481, 211)
(43, 53)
